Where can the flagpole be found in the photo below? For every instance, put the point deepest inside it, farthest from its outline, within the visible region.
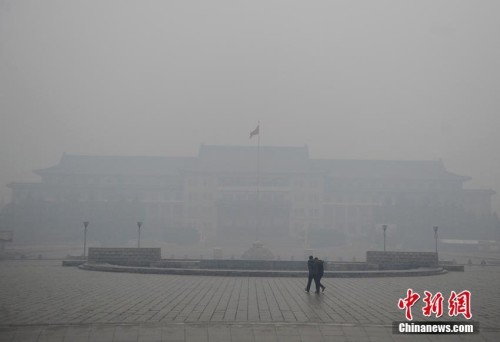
(258, 185)
(257, 200)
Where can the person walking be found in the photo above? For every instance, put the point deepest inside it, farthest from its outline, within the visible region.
(312, 268)
(320, 270)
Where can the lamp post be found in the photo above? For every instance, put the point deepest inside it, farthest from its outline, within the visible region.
(85, 225)
(306, 238)
(436, 238)
(139, 225)
(384, 228)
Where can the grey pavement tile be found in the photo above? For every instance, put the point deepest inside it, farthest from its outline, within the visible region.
(149, 333)
(331, 330)
(102, 333)
(196, 338)
(354, 330)
(490, 336)
(482, 336)
(379, 337)
(219, 332)
(358, 338)
(196, 333)
(309, 331)
(398, 338)
(71, 296)
(288, 338)
(242, 333)
(196, 329)
(126, 333)
(439, 338)
(287, 330)
(264, 329)
(265, 333)
(378, 333)
(316, 339)
(173, 333)
(267, 338)
(52, 334)
(377, 329)
(27, 334)
(7, 334)
(77, 334)
(150, 338)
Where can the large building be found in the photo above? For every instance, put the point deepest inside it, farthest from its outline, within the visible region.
(237, 192)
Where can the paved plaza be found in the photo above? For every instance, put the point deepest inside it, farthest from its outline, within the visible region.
(43, 301)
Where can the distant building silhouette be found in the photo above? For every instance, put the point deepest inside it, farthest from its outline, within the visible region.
(213, 196)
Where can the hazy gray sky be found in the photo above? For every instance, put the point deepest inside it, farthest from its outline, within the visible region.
(351, 79)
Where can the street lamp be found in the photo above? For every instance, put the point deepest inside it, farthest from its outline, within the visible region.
(306, 237)
(139, 224)
(85, 225)
(436, 238)
(384, 228)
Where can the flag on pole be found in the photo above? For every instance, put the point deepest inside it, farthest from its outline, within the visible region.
(254, 132)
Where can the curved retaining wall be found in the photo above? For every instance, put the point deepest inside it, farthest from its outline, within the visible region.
(278, 265)
(124, 256)
(262, 273)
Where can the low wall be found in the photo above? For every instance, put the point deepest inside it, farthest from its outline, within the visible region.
(170, 263)
(350, 266)
(73, 263)
(229, 264)
(285, 265)
(146, 257)
(124, 256)
(402, 260)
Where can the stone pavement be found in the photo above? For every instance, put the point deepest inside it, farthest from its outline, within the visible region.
(43, 301)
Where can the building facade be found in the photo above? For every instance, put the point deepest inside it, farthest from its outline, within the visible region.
(236, 192)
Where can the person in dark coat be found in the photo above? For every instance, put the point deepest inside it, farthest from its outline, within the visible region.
(319, 274)
(312, 268)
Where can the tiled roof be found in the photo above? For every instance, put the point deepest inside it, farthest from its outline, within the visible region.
(390, 169)
(119, 165)
(243, 159)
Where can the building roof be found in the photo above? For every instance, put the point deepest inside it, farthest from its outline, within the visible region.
(118, 165)
(479, 192)
(389, 169)
(243, 159)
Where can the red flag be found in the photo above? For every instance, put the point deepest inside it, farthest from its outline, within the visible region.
(254, 132)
